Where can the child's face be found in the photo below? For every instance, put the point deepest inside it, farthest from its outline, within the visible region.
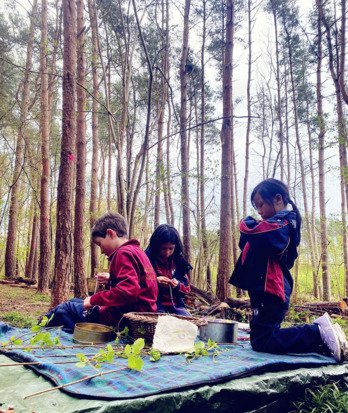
(265, 209)
(108, 244)
(166, 250)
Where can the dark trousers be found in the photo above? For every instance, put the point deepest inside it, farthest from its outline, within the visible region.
(71, 312)
(265, 332)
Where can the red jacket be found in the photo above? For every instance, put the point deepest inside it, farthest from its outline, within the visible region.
(132, 286)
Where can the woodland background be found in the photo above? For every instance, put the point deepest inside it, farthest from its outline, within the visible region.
(170, 112)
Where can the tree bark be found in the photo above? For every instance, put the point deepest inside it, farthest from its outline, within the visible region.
(247, 137)
(321, 162)
(45, 213)
(224, 268)
(80, 285)
(64, 232)
(95, 133)
(185, 196)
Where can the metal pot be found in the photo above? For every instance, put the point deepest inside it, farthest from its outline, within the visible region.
(220, 331)
(93, 333)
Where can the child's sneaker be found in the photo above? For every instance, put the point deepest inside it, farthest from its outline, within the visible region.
(342, 339)
(330, 336)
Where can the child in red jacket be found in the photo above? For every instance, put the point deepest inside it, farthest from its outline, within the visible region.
(131, 283)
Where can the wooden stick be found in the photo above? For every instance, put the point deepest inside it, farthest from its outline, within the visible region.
(33, 363)
(73, 382)
(52, 347)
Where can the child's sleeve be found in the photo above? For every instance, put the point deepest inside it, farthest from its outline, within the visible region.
(127, 289)
(184, 284)
(273, 237)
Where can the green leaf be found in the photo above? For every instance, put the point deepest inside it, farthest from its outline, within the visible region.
(81, 357)
(135, 362)
(138, 345)
(127, 350)
(35, 329)
(155, 355)
(80, 364)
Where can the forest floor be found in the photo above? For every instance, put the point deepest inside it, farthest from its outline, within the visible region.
(21, 306)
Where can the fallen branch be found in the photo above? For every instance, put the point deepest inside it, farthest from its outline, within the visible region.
(73, 382)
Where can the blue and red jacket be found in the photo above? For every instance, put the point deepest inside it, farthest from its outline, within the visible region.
(177, 268)
(269, 250)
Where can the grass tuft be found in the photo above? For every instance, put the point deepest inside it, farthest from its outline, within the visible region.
(323, 399)
(17, 319)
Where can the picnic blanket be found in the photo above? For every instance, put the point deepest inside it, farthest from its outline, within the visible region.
(171, 372)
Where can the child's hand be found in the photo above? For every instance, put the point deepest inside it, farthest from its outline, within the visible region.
(162, 280)
(174, 282)
(102, 277)
(87, 303)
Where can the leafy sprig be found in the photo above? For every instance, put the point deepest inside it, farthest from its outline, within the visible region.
(203, 349)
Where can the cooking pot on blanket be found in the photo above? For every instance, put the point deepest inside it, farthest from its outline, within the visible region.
(93, 333)
(220, 331)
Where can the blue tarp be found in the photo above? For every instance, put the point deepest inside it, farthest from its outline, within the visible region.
(171, 373)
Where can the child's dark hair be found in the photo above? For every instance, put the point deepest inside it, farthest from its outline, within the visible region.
(271, 187)
(110, 220)
(162, 234)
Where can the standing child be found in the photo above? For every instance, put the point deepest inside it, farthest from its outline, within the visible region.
(131, 283)
(269, 249)
(165, 252)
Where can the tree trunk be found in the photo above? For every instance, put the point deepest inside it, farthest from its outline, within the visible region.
(95, 133)
(321, 164)
(279, 100)
(168, 192)
(10, 252)
(224, 268)
(185, 196)
(247, 137)
(342, 132)
(29, 272)
(80, 285)
(45, 213)
(63, 247)
(343, 89)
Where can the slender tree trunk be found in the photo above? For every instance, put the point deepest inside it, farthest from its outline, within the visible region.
(343, 89)
(95, 133)
(202, 156)
(10, 252)
(321, 165)
(334, 65)
(185, 197)
(170, 208)
(80, 285)
(225, 250)
(279, 100)
(45, 213)
(64, 232)
(166, 179)
(247, 138)
(29, 272)
(160, 124)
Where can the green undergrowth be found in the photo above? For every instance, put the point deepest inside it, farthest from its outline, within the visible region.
(18, 320)
(329, 398)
